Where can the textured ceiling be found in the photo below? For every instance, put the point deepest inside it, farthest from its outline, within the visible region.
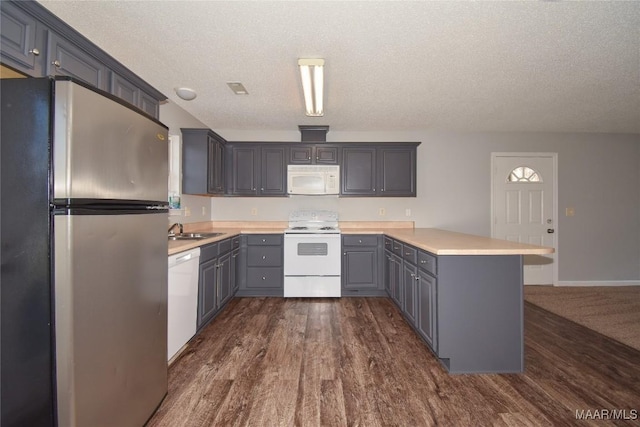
(390, 65)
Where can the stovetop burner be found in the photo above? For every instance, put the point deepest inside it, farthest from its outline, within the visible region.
(309, 221)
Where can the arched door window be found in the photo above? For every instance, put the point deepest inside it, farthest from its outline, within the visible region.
(524, 174)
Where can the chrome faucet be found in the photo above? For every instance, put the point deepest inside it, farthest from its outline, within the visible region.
(174, 226)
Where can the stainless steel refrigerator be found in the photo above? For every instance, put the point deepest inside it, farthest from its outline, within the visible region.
(84, 257)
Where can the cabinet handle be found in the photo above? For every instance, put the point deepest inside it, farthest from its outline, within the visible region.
(413, 275)
(359, 240)
(56, 63)
(407, 253)
(264, 278)
(261, 188)
(396, 247)
(35, 51)
(264, 240)
(423, 261)
(264, 257)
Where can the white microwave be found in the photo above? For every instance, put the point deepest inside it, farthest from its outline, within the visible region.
(313, 179)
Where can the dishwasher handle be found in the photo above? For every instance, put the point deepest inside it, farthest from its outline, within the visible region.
(182, 257)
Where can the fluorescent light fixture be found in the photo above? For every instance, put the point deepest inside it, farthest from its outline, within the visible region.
(237, 88)
(311, 73)
(186, 93)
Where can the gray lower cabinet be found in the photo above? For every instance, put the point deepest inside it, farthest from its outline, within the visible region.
(409, 277)
(37, 43)
(467, 308)
(260, 265)
(361, 265)
(215, 281)
(426, 306)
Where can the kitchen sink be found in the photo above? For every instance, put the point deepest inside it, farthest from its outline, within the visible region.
(193, 236)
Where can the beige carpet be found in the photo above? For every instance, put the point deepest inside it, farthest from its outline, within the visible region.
(613, 311)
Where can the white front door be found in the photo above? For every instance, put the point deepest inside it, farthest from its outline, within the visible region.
(523, 208)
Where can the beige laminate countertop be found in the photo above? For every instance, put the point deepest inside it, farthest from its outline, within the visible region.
(434, 240)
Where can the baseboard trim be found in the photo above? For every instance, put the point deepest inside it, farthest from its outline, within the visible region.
(587, 283)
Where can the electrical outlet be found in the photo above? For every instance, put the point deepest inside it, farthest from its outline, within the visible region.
(187, 211)
(204, 210)
(254, 211)
(569, 212)
(407, 212)
(382, 212)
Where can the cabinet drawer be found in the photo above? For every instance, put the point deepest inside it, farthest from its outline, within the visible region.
(396, 247)
(235, 242)
(208, 252)
(388, 244)
(264, 256)
(360, 240)
(224, 246)
(409, 253)
(258, 277)
(427, 262)
(264, 239)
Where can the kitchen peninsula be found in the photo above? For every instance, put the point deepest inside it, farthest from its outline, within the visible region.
(462, 294)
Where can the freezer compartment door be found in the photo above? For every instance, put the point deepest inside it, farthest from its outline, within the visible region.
(105, 150)
(110, 317)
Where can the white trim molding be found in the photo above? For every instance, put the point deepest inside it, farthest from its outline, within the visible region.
(587, 283)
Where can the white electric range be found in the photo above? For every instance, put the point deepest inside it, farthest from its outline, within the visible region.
(312, 255)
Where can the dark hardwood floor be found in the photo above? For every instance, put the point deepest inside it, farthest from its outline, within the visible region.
(355, 362)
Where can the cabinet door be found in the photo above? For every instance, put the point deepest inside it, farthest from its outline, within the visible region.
(235, 280)
(426, 315)
(395, 278)
(388, 273)
(224, 279)
(358, 171)
(397, 171)
(124, 89)
(273, 176)
(300, 155)
(149, 104)
(360, 269)
(215, 175)
(18, 40)
(207, 292)
(327, 155)
(244, 170)
(65, 59)
(409, 295)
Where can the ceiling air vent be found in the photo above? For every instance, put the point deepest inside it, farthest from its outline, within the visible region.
(313, 133)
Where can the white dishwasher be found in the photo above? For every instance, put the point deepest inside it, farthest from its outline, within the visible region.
(182, 307)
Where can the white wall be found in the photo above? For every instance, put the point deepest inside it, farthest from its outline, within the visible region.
(175, 117)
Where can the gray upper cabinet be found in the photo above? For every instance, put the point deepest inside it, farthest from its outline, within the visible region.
(18, 40)
(273, 176)
(244, 170)
(66, 59)
(312, 154)
(202, 162)
(36, 43)
(257, 169)
(358, 171)
(396, 171)
(387, 170)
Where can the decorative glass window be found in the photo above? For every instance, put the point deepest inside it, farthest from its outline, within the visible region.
(524, 174)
